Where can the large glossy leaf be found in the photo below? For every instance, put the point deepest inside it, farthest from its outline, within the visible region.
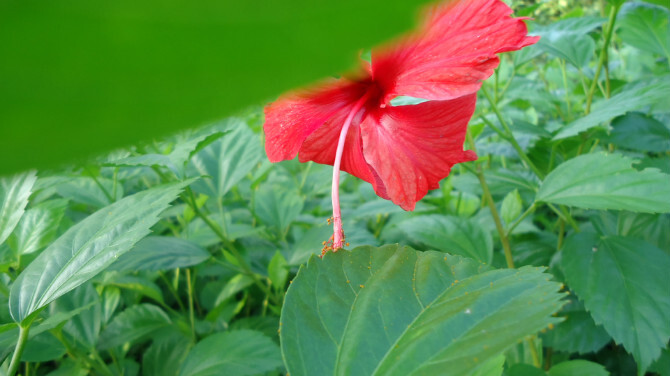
(239, 352)
(606, 181)
(161, 253)
(624, 283)
(635, 98)
(396, 311)
(80, 77)
(454, 235)
(646, 27)
(226, 161)
(14, 193)
(87, 248)
(134, 324)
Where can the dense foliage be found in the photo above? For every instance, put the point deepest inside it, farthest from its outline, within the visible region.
(195, 255)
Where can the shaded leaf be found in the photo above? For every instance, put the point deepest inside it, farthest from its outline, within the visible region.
(239, 352)
(639, 132)
(577, 333)
(450, 234)
(134, 324)
(393, 310)
(277, 207)
(161, 253)
(14, 193)
(606, 181)
(227, 160)
(578, 367)
(623, 282)
(87, 248)
(165, 355)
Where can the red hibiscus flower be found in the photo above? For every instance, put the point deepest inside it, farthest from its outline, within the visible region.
(403, 151)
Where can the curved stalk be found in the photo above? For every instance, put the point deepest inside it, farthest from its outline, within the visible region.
(338, 232)
(18, 351)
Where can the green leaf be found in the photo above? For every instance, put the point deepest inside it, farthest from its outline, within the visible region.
(239, 352)
(578, 367)
(277, 206)
(492, 367)
(14, 193)
(155, 68)
(639, 132)
(84, 327)
(278, 271)
(185, 146)
(43, 348)
(632, 99)
(511, 206)
(165, 355)
(38, 226)
(623, 282)
(236, 284)
(137, 284)
(226, 161)
(87, 248)
(606, 181)
(395, 311)
(645, 26)
(450, 234)
(135, 324)
(87, 191)
(522, 369)
(161, 253)
(569, 39)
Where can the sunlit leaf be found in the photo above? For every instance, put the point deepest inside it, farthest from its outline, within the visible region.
(633, 99)
(395, 311)
(38, 226)
(87, 248)
(646, 27)
(606, 181)
(14, 193)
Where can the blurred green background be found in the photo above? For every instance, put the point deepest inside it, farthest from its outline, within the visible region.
(79, 77)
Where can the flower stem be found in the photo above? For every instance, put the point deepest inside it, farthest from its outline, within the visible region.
(338, 232)
(603, 56)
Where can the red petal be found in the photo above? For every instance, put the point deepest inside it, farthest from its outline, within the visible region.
(321, 146)
(412, 148)
(293, 117)
(454, 53)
